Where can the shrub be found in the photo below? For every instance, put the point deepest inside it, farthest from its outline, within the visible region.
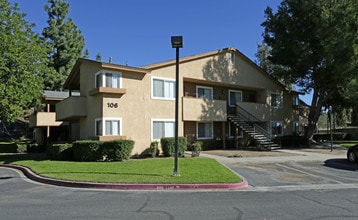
(35, 148)
(58, 151)
(153, 149)
(87, 150)
(291, 141)
(327, 136)
(117, 150)
(169, 143)
(195, 148)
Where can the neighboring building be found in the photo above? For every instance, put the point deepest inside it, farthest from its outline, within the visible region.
(223, 95)
(43, 120)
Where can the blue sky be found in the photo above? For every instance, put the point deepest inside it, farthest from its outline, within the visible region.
(137, 32)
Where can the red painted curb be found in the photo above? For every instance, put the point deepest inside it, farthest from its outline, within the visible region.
(35, 177)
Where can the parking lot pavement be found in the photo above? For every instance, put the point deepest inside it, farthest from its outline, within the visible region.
(300, 170)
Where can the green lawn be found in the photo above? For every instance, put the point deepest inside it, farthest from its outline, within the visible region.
(158, 170)
(346, 143)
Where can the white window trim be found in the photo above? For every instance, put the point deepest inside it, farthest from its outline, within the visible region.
(158, 120)
(281, 122)
(240, 135)
(204, 87)
(103, 74)
(164, 79)
(104, 125)
(281, 96)
(236, 91)
(197, 130)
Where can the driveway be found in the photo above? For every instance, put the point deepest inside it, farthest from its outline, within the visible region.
(314, 168)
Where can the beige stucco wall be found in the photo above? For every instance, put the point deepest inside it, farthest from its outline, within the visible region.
(136, 108)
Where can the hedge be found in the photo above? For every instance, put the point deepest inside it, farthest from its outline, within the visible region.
(60, 151)
(169, 143)
(87, 150)
(117, 150)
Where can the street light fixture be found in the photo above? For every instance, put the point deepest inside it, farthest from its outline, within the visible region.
(177, 42)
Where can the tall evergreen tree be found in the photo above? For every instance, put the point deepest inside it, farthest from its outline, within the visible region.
(22, 60)
(317, 43)
(65, 43)
(99, 57)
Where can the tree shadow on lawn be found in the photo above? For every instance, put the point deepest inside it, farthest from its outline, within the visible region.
(13, 157)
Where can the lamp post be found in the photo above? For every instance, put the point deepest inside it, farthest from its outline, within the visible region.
(177, 42)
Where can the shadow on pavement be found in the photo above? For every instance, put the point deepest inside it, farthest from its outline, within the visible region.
(342, 164)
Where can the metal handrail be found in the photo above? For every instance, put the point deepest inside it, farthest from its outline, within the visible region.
(249, 118)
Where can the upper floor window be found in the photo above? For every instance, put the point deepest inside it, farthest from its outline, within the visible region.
(234, 97)
(163, 88)
(295, 101)
(204, 92)
(276, 100)
(108, 79)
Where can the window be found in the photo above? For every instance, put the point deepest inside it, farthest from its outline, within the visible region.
(276, 100)
(295, 101)
(296, 127)
(163, 88)
(204, 130)
(108, 127)
(204, 92)
(108, 79)
(276, 128)
(162, 128)
(232, 131)
(234, 97)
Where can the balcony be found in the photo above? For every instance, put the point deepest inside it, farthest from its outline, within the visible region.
(44, 119)
(198, 109)
(71, 108)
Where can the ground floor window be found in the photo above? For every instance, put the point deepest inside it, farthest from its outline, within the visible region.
(204, 130)
(108, 127)
(162, 128)
(296, 127)
(276, 128)
(232, 131)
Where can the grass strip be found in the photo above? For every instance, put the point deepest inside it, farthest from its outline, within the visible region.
(144, 171)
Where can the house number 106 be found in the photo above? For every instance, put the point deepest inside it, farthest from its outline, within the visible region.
(112, 105)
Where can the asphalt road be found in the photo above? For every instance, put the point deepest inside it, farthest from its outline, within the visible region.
(24, 199)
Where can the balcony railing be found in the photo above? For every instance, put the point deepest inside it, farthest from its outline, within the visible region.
(71, 108)
(198, 109)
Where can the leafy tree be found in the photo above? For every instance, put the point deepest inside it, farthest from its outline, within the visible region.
(86, 54)
(22, 60)
(317, 43)
(65, 43)
(99, 57)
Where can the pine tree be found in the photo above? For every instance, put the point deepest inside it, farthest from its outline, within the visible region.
(65, 43)
(22, 59)
(99, 57)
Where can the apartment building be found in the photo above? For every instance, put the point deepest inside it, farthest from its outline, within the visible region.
(223, 96)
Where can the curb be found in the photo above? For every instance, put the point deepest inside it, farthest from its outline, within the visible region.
(119, 186)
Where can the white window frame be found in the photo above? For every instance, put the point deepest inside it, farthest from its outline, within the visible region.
(166, 96)
(197, 130)
(104, 120)
(239, 135)
(164, 121)
(204, 87)
(229, 100)
(103, 76)
(281, 99)
(271, 128)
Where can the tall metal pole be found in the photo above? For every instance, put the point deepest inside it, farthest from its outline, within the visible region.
(176, 144)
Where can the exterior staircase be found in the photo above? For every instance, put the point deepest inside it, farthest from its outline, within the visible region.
(245, 121)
